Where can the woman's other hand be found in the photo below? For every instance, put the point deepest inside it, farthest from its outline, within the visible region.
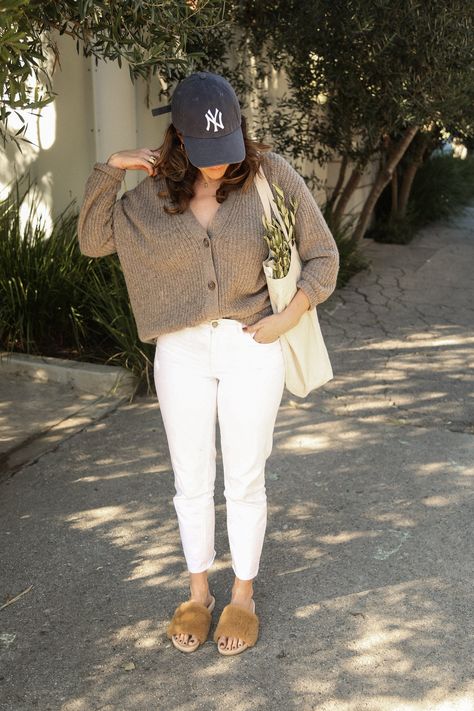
(139, 159)
(269, 328)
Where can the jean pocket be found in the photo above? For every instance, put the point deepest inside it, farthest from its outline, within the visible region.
(258, 343)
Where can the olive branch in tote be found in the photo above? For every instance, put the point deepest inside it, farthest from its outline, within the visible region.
(278, 242)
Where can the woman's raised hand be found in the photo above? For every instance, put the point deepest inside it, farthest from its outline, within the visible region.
(139, 159)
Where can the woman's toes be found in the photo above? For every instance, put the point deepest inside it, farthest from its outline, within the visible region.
(182, 638)
(230, 643)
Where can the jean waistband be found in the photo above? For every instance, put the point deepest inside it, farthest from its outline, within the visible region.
(225, 322)
(228, 324)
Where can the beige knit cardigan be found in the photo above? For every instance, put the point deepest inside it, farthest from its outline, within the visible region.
(180, 274)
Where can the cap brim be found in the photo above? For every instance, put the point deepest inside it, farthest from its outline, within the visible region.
(206, 152)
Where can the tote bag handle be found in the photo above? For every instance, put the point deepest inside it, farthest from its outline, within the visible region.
(307, 363)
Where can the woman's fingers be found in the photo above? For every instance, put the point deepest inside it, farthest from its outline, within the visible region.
(147, 165)
(139, 159)
(141, 164)
(151, 157)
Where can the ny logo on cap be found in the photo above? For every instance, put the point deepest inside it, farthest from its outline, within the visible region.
(216, 120)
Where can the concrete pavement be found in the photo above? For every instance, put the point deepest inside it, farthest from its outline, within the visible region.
(365, 590)
(46, 400)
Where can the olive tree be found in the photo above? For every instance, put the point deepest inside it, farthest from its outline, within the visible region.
(149, 36)
(365, 77)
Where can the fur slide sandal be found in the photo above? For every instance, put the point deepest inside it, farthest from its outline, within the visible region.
(191, 618)
(237, 622)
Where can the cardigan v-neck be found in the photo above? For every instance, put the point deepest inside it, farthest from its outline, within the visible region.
(179, 273)
(218, 221)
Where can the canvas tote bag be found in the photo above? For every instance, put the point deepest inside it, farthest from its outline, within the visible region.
(307, 364)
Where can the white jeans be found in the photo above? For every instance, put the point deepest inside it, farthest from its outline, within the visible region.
(217, 370)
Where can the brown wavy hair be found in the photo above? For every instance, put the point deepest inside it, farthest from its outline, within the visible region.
(180, 174)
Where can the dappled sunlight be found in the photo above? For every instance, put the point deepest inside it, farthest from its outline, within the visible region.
(393, 640)
(140, 634)
(47, 126)
(440, 501)
(302, 511)
(421, 340)
(405, 327)
(84, 520)
(314, 553)
(88, 479)
(344, 537)
(40, 135)
(373, 641)
(459, 700)
(395, 519)
(151, 566)
(309, 442)
(429, 468)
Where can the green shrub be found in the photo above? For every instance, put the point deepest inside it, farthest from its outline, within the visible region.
(41, 304)
(351, 260)
(111, 321)
(399, 229)
(442, 186)
(54, 301)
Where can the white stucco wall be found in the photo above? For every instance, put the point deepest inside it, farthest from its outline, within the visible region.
(97, 111)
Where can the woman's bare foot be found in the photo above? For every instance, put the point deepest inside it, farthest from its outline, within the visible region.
(199, 588)
(242, 594)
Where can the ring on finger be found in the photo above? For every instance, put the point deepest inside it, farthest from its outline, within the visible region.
(152, 160)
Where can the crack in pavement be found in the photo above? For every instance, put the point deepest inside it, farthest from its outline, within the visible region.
(409, 309)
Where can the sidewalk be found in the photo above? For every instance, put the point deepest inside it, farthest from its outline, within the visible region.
(365, 591)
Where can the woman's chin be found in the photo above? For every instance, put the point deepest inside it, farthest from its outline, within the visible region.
(214, 173)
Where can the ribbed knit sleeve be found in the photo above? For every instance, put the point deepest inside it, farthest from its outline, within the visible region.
(95, 227)
(316, 245)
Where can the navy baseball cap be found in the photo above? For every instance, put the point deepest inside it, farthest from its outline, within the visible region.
(206, 110)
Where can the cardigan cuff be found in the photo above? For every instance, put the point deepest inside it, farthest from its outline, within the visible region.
(309, 291)
(112, 170)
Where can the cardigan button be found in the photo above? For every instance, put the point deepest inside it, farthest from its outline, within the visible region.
(206, 242)
(211, 284)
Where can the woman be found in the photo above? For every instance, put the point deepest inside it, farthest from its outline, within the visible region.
(190, 241)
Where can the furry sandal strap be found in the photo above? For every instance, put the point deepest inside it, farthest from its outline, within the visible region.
(191, 617)
(237, 622)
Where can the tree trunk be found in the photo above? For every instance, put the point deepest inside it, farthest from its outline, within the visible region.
(339, 183)
(383, 177)
(410, 172)
(394, 208)
(346, 195)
